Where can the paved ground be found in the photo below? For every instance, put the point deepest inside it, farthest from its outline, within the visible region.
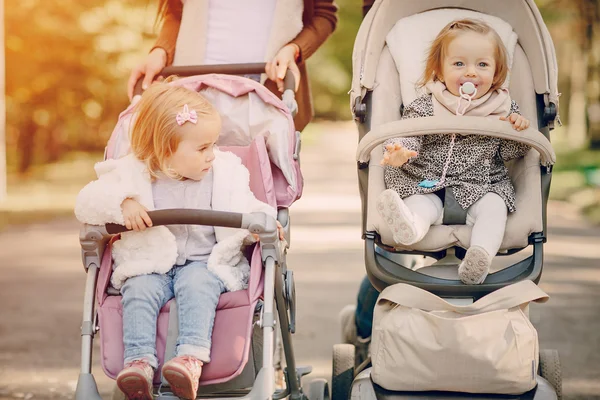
(42, 285)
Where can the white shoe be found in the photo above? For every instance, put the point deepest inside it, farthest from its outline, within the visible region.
(475, 267)
(398, 217)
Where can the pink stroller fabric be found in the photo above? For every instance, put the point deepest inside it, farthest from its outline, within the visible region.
(287, 190)
(233, 322)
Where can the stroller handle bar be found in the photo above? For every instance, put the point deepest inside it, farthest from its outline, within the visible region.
(289, 81)
(255, 222)
(93, 238)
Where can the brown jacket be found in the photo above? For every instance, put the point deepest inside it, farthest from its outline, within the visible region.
(319, 20)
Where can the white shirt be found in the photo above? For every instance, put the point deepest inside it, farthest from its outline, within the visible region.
(238, 30)
(194, 242)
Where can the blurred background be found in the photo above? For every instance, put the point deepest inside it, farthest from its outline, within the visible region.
(67, 62)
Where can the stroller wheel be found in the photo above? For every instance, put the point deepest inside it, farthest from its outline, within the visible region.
(343, 371)
(318, 390)
(550, 370)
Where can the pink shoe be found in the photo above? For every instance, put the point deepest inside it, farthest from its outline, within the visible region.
(135, 380)
(183, 374)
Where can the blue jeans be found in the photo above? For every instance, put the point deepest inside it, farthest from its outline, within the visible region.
(365, 305)
(196, 291)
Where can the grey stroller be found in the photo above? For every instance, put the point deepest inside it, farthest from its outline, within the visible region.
(384, 81)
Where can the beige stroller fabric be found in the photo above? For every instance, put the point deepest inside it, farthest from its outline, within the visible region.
(421, 342)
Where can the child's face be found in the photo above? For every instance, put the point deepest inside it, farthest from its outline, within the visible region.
(195, 153)
(469, 58)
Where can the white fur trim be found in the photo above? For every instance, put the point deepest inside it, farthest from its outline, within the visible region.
(228, 262)
(153, 251)
(99, 202)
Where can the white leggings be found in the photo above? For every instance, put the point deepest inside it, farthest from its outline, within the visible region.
(487, 216)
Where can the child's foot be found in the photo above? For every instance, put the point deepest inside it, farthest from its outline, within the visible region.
(135, 380)
(183, 374)
(398, 217)
(475, 266)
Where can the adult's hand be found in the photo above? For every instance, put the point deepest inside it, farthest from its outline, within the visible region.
(285, 59)
(152, 65)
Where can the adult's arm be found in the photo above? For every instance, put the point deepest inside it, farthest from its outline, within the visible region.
(167, 38)
(367, 4)
(317, 30)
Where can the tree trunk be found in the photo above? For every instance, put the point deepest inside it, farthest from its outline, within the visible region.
(25, 146)
(53, 149)
(577, 129)
(593, 84)
(3, 168)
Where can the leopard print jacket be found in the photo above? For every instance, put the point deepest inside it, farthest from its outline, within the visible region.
(476, 166)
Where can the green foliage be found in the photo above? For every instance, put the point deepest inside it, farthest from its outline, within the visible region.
(578, 160)
(330, 68)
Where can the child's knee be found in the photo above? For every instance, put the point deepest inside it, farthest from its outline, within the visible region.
(143, 286)
(490, 205)
(493, 203)
(197, 273)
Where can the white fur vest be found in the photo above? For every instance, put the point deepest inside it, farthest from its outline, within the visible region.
(155, 249)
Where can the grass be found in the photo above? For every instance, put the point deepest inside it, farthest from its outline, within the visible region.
(576, 179)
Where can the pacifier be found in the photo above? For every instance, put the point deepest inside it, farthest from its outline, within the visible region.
(467, 90)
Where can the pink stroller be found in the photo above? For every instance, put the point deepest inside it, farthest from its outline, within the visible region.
(258, 127)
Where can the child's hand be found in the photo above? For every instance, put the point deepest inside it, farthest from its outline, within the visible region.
(396, 155)
(279, 229)
(135, 215)
(518, 122)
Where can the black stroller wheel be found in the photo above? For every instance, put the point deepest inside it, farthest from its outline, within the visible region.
(343, 371)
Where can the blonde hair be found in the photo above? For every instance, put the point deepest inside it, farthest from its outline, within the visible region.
(437, 52)
(154, 134)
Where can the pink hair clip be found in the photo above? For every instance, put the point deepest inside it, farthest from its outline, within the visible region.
(186, 115)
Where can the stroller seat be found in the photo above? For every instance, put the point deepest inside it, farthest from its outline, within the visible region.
(399, 67)
(234, 314)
